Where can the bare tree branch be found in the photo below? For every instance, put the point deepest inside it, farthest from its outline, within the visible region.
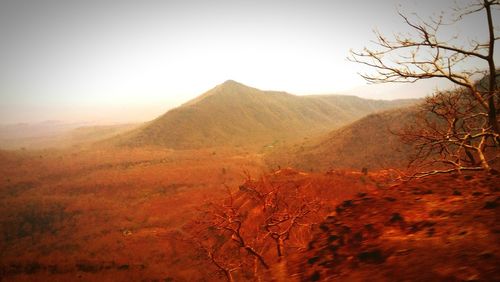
(455, 131)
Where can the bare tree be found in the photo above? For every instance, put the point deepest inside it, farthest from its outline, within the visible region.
(252, 221)
(223, 264)
(457, 130)
(451, 135)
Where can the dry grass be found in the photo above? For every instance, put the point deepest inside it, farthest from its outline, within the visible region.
(365, 143)
(107, 214)
(233, 114)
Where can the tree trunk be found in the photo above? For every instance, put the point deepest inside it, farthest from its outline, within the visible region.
(482, 157)
(492, 87)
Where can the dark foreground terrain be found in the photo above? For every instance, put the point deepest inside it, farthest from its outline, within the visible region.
(127, 215)
(444, 228)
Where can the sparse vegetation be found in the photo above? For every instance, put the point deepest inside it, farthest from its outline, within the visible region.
(463, 125)
(235, 115)
(110, 213)
(254, 232)
(242, 184)
(128, 213)
(253, 221)
(455, 136)
(34, 218)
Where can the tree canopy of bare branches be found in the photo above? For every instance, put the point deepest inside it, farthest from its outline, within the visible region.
(457, 130)
(251, 230)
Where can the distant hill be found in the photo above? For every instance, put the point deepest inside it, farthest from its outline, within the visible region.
(368, 142)
(237, 115)
(56, 134)
(11, 131)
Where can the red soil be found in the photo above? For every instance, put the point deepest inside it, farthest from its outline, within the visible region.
(444, 228)
(126, 215)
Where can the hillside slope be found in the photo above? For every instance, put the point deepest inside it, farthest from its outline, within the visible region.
(368, 142)
(237, 115)
(371, 142)
(443, 228)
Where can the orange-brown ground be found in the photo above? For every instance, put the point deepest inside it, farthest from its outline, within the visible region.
(444, 228)
(125, 214)
(107, 215)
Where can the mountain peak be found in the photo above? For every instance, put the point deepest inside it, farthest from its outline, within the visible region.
(232, 83)
(228, 86)
(232, 87)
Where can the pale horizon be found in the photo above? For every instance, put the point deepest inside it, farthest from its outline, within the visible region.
(131, 61)
(145, 113)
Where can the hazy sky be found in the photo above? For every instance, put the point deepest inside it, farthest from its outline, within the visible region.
(112, 60)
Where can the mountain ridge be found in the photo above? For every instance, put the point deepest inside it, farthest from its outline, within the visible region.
(234, 114)
(369, 142)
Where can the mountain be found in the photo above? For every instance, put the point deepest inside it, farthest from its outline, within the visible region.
(369, 142)
(237, 115)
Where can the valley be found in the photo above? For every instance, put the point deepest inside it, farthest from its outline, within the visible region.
(132, 214)
(242, 184)
(108, 215)
(249, 141)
